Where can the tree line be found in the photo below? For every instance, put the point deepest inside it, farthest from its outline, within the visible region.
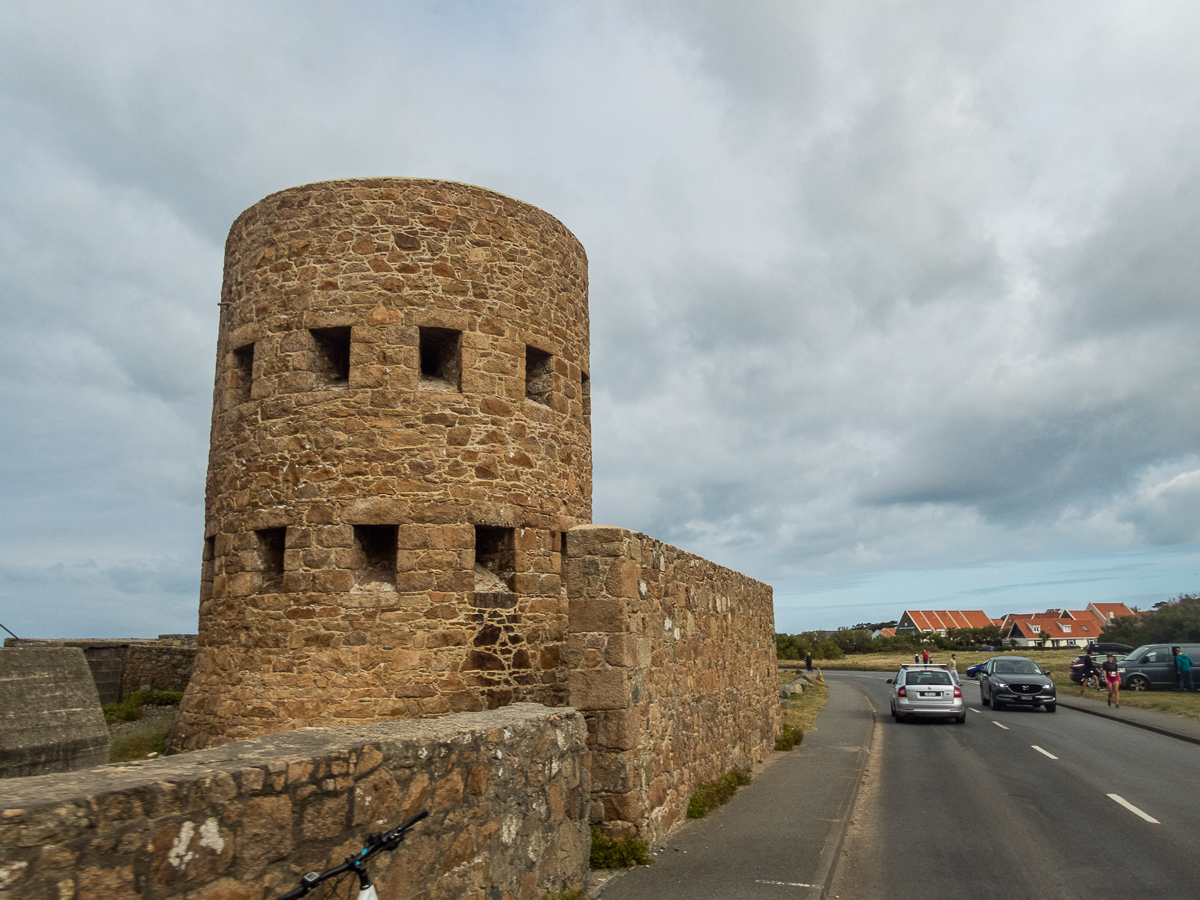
(1174, 621)
(836, 644)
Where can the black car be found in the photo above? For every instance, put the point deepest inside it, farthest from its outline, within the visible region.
(1016, 680)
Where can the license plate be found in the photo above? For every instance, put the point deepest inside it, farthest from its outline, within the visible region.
(930, 693)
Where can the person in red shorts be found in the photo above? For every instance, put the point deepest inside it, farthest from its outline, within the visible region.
(1112, 678)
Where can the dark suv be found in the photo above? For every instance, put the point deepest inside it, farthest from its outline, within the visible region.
(1016, 680)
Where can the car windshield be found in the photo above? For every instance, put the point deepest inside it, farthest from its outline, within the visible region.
(928, 678)
(1017, 667)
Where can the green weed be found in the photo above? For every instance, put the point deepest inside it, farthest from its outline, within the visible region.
(609, 852)
(711, 794)
(789, 738)
(130, 708)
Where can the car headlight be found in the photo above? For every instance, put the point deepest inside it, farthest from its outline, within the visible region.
(1000, 684)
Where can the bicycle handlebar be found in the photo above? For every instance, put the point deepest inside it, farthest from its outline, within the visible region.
(376, 841)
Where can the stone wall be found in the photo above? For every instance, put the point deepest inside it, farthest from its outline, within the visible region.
(507, 791)
(50, 719)
(672, 660)
(122, 665)
(157, 667)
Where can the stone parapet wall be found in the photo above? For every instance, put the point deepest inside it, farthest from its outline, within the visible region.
(672, 661)
(507, 791)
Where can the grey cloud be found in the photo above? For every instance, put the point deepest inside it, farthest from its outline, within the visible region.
(874, 287)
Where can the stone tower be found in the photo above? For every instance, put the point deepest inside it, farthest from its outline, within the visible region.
(400, 439)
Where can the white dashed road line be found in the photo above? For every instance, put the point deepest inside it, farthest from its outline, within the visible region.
(1133, 809)
(974, 710)
(998, 725)
(1043, 752)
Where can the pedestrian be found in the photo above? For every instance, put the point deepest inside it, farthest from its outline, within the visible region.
(1088, 672)
(925, 657)
(953, 662)
(1183, 669)
(916, 659)
(1112, 677)
(808, 661)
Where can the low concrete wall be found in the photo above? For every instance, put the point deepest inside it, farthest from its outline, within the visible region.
(507, 791)
(50, 719)
(672, 661)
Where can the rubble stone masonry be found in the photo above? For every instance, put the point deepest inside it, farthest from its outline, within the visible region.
(672, 660)
(507, 791)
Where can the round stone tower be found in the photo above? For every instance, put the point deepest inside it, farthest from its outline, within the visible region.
(400, 438)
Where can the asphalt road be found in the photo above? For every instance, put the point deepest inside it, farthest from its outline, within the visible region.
(1020, 803)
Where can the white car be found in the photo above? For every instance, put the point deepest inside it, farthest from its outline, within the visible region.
(927, 691)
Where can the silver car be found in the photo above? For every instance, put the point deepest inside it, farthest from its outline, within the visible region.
(927, 691)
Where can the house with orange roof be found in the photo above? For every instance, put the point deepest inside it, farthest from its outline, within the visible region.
(1054, 631)
(926, 621)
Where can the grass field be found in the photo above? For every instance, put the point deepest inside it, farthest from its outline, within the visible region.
(1058, 662)
(801, 710)
(138, 740)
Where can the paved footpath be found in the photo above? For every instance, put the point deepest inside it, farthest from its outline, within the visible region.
(779, 836)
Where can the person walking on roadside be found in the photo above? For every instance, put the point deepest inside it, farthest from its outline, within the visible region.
(925, 657)
(1112, 677)
(1183, 670)
(953, 662)
(1087, 673)
(808, 661)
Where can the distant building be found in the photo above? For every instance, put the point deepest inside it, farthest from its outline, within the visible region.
(929, 621)
(1062, 627)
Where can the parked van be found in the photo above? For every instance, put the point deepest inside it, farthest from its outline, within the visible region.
(1153, 666)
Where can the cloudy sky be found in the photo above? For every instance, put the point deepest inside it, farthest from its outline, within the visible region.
(893, 303)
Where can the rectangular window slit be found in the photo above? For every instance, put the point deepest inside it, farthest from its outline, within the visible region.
(441, 359)
(376, 546)
(333, 355)
(539, 375)
(243, 372)
(586, 390)
(495, 558)
(271, 545)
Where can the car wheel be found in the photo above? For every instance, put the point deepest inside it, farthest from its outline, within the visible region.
(1139, 683)
(1051, 707)
(984, 699)
(961, 719)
